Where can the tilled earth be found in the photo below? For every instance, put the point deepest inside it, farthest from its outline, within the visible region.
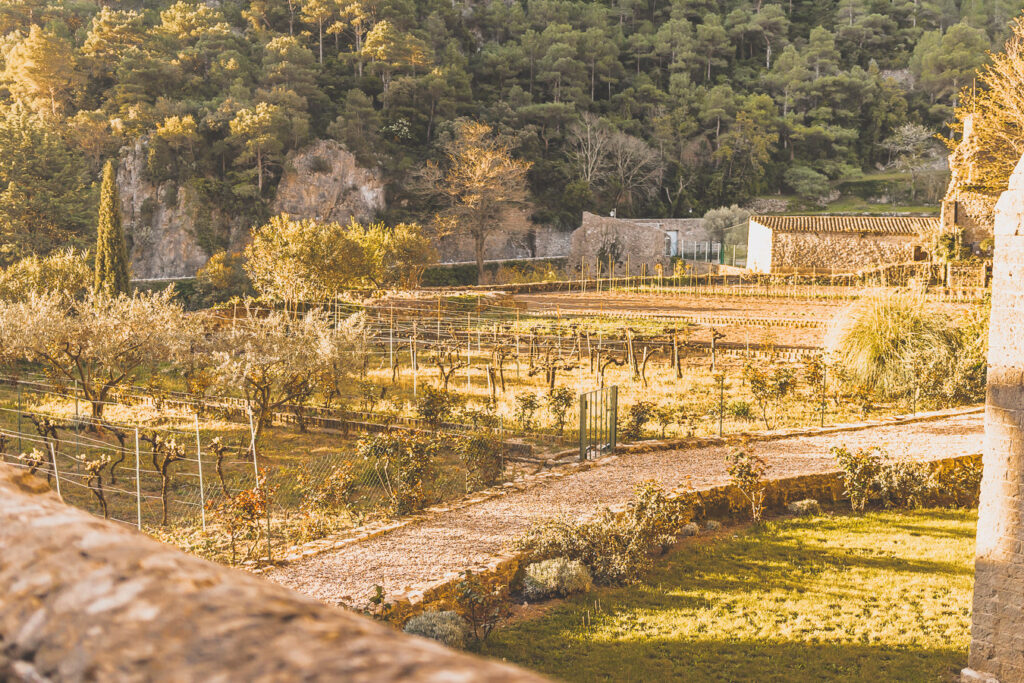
(448, 542)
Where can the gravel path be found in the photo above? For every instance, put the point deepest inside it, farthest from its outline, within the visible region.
(450, 541)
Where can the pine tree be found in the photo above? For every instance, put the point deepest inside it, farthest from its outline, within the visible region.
(111, 252)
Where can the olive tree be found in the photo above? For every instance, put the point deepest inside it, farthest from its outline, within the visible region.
(97, 343)
(275, 361)
(303, 260)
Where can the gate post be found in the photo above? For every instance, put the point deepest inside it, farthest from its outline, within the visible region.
(613, 416)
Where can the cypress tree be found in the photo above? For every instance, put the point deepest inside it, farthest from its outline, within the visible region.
(111, 252)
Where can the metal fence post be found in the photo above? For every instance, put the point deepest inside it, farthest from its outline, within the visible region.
(138, 484)
(202, 490)
(583, 426)
(56, 474)
(614, 416)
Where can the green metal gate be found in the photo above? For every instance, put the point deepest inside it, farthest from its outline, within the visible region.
(599, 410)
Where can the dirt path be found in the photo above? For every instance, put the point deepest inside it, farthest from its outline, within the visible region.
(450, 541)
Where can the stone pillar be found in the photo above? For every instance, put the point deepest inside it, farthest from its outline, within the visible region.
(997, 631)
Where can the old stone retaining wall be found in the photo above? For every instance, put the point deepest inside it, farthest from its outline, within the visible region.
(82, 598)
(724, 502)
(634, 248)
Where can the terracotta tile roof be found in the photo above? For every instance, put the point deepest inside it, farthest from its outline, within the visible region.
(879, 225)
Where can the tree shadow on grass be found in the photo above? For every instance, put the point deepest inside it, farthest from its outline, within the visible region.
(671, 659)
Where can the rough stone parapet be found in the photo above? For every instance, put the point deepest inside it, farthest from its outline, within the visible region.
(82, 598)
(997, 646)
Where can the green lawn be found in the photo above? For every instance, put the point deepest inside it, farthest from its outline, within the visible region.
(883, 597)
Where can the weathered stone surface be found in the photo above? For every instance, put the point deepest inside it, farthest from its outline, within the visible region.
(82, 598)
(997, 650)
(324, 181)
(161, 221)
(842, 252)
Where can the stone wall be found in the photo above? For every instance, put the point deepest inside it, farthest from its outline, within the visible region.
(973, 213)
(517, 238)
(997, 631)
(82, 599)
(841, 252)
(640, 247)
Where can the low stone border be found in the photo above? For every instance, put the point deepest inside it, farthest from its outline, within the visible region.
(714, 502)
(352, 536)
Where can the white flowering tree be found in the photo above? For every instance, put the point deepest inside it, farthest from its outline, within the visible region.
(97, 343)
(274, 360)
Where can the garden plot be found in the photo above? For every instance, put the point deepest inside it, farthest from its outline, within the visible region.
(444, 544)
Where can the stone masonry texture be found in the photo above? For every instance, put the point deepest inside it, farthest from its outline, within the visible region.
(997, 631)
(85, 599)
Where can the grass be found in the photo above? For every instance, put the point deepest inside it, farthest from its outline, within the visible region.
(885, 596)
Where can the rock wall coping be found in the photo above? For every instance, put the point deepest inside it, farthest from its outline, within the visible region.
(82, 598)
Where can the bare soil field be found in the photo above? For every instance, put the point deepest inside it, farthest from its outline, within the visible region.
(783, 322)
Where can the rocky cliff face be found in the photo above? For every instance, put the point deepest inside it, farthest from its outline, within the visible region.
(165, 223)
(159, 221)
(324, 182)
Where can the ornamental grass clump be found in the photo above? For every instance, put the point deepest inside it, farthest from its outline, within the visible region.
(446, 627)
(557, 577)
(898, 345)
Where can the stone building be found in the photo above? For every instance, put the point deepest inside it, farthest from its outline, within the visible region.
(639, 244)
(965, 208)
(841, 244)
(517, 238)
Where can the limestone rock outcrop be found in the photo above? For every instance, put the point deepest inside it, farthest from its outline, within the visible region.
(167, 223)
(324, 181)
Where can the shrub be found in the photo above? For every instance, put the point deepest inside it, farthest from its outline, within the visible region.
(526, 408)
(446, 627)
(556, 577)
(859, 471)
(638, 416)
(666, 415)
(319, 164)
(435, 406)
(400, 461)
(746, 472)
(805, 507)
(482, 454)
(905, 484)
(559, 402)
(769, 387)
(616, 548)
(481, 605)
(961, 482)
(740, 410)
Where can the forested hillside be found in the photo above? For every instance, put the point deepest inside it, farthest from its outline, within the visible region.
(656, 107)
